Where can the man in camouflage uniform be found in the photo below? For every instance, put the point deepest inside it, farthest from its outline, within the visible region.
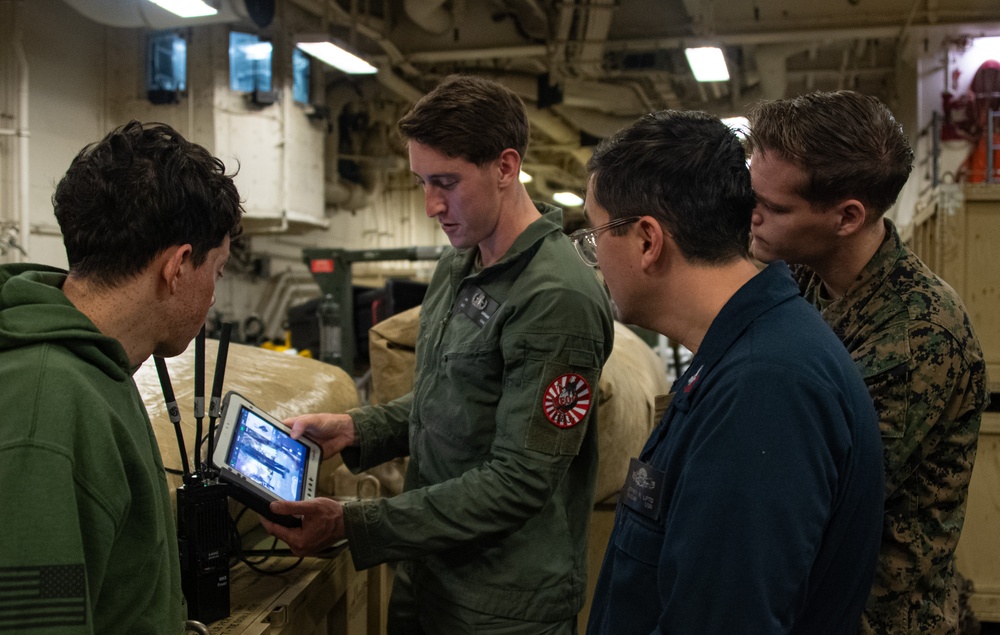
(826, 167)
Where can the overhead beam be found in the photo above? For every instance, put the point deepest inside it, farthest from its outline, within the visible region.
(797, 36)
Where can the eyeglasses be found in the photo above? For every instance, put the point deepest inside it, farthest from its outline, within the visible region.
(585, 240)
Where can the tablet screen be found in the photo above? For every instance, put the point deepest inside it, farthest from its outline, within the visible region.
(268, 456)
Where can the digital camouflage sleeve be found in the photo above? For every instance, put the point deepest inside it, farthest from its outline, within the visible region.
(912, 340)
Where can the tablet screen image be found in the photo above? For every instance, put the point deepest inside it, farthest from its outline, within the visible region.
(268, 456)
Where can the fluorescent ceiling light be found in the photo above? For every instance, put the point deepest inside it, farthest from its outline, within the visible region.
(568, 199)
(708, 64)
(330, 53)
(524, 177)
(186, 8)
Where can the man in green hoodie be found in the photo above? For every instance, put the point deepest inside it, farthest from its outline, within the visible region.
(89, 544)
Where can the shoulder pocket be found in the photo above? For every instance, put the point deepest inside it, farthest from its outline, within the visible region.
(564, 401)
(884, 365)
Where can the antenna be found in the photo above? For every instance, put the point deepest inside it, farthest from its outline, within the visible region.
(220, 373)
(173, 411)
(203, 539)
(199, 393)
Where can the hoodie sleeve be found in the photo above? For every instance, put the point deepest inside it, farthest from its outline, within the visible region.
(52, 572)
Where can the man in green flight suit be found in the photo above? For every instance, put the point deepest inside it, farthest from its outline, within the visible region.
(491, 529)
(826, 167)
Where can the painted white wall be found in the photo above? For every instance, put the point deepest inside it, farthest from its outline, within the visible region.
(9, 98)
(86, 78)
(66, 58)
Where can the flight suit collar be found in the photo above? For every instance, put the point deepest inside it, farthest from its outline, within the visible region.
(527, 241)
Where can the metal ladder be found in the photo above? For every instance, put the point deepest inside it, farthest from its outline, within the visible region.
(992, 124)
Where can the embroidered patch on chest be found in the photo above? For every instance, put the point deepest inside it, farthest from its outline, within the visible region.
(642, 489)
(476, 305)
(567, 400)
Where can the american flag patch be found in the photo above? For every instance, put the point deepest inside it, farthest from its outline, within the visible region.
(42, 597)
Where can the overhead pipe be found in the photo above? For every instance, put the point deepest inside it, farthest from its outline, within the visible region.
(335, 193)
(330, 10)
(398, 86)
(495, 52)
(373, 166)
(430, 15)
(278, 296)
(598, 124)
(588, 94)
(553, 124)
(772, 68)
(810, 36)
(347, 195)
(531, 18)
(770, 37)
(555, 46)
(595, 16)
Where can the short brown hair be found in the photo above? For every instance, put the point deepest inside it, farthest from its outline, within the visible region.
(848, 144)
(468, 117)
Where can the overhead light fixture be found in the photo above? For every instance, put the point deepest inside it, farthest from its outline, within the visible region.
(336, 56)
(524, 177)
(708, 64)
(186, 8)
(569, 199)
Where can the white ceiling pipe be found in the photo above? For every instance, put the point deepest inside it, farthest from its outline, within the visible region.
(396, 85)
(810, 36)
(772, 68)
(497, 52)
(596, 123)
(430, 15)
(589, 59)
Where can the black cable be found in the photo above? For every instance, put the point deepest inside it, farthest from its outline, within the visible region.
(239, 516)
(241, 555)
(283, 553)
(273, 571)
(237, 541)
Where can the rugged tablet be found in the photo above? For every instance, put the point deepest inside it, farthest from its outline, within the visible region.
(255, 453)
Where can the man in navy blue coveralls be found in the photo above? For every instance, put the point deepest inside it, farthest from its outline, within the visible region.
(755, 506)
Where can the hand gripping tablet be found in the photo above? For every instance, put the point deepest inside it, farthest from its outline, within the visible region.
(255, 453)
